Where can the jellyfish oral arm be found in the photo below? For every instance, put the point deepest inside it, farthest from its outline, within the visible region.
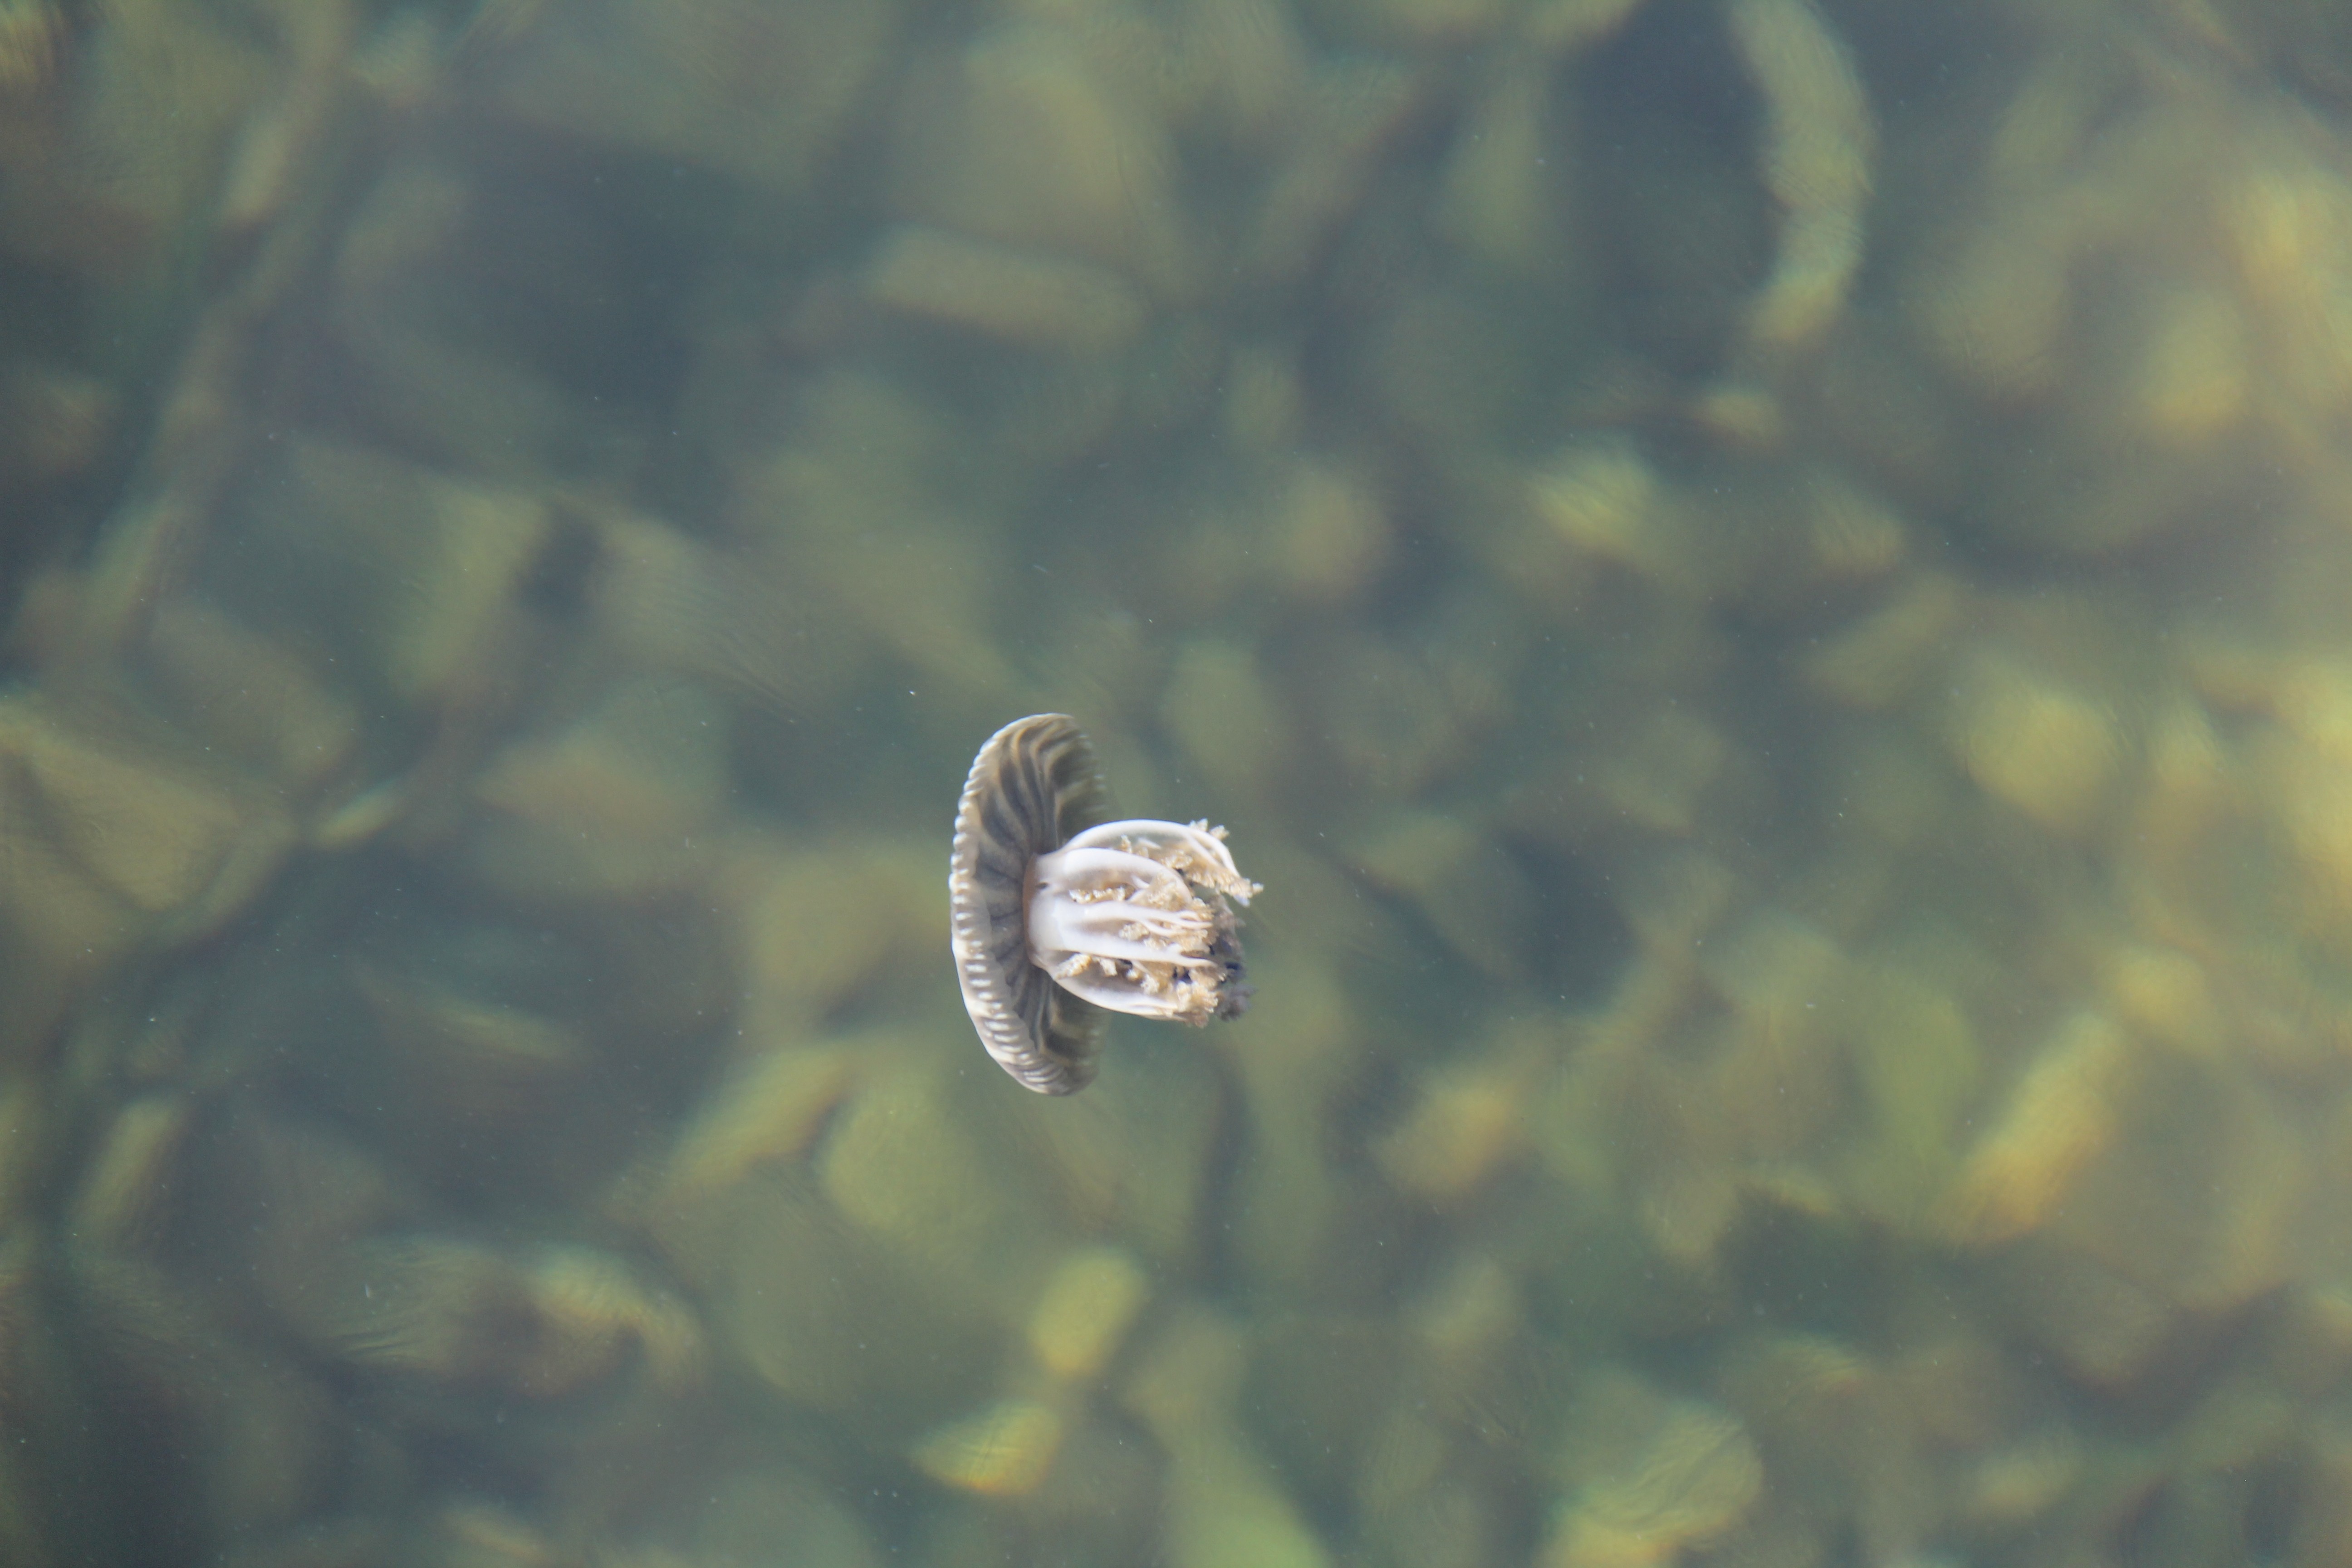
(1195, 851)
(1118, 905)
(1132, 916)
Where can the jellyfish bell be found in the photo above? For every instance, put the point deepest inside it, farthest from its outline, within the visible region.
(1031, 786)
(1056, 918)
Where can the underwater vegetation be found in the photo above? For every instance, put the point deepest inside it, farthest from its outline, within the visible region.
(1762, 579)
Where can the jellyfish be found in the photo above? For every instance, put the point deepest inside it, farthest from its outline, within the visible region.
(1056, 917)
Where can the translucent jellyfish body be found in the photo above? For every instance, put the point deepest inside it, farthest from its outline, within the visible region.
(1054, 920)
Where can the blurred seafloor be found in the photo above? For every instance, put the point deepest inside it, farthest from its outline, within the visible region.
(1763, 582)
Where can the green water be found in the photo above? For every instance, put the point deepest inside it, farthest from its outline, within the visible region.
(1759, 582)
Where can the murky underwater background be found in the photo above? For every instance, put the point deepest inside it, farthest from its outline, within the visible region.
(1763, 583)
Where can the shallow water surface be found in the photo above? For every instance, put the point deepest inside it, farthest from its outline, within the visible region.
(1760, 583)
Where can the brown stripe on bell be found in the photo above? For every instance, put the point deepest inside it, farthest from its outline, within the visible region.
(1055, 916)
